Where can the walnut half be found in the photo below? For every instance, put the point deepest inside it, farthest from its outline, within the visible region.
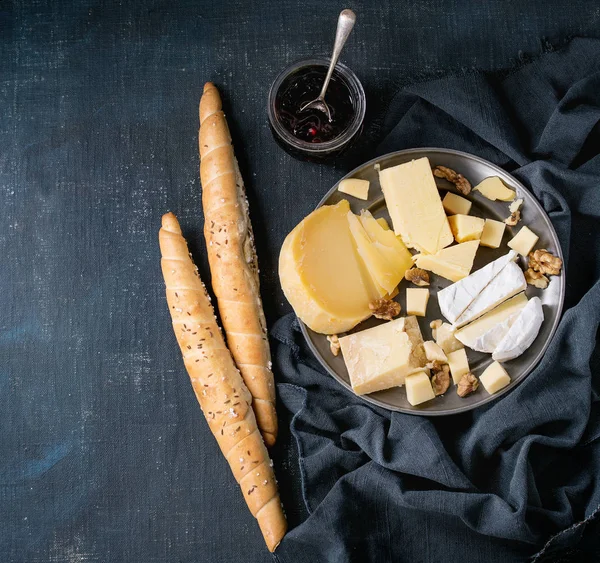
(418, 276)
(441, 377)
(514, 218)
(334, 344)
(536, 279)
(545, 262)
(467, 385)
(462, 184)
(385, 309)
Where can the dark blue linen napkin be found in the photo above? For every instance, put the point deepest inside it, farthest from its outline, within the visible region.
(520, 477)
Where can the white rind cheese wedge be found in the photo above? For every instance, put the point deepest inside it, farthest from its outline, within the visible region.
(507, 283)
(453, 263)
(414, 204)
(455, 298)
(484, 334)
(522, 333)
(381, 357)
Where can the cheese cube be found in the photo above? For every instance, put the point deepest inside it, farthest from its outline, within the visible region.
(382, 356)
(459, 364)
(453, 263)
(494, 378)
(355, 187)
(416, 301)
(493, 188)
(415, 207)
(434, 353)
(466, 227)
(492, 234)
(524, 241)
(454, 204)
(444, 336)
(418, 388)
(383, 223)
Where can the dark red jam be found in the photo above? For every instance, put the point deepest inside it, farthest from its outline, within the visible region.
(312, 125)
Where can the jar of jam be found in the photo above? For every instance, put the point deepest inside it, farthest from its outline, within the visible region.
(309, 134)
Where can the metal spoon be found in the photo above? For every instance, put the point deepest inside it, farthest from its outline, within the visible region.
(344, 27)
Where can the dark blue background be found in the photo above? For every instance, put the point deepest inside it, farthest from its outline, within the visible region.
(104, 454)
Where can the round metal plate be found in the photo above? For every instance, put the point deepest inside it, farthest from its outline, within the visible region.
(475, 169)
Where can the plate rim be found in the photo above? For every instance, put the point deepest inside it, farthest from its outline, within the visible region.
(562, 278)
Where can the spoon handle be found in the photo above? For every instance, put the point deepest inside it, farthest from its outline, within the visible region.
(344, 27)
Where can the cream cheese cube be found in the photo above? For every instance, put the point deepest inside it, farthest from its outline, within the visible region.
(416, 301)
(454, 204)
(459, 364)
(434, 353)
(492, 234)
(494, 378)
(524, 241)
(418, 388)
(355, 187)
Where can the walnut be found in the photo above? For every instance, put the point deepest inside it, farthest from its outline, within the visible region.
(418, 276)
(514, 218)
(462, 184)
(334, 344)
(467, 384)
(385, 309)
(544, 261)
(441, 377)
(536, 279)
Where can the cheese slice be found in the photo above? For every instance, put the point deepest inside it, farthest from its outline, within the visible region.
(466, 227)
(507, 283)
(381, 357)
(522, 333)
(415, 207)
(355, 187)
(455, 298)
(453, 263)
(322, 274)
(418, 388)
(385, 275)
(387, 243)
(383, 223)
(493, 188)
(485, 333)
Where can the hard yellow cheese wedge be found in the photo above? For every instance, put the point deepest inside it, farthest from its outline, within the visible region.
(415, 207)
(322, 274)
(453, 263)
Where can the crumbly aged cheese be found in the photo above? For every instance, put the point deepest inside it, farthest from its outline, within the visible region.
(383, 223)
(381, 357)
(416, 301)
(493, 188)
(492, 234)
(515, 205)
(355, 187)
(507, 283)
(455, 298)
(459, 364)
(466, 227)
(484, 334)
(384, 273)
(434, 353)
(494, 378)
(444, 336)
(322, 274)
(522, 333)
(453, 263)
(524, 241)
(418, 389)
(415, 207)
(387, 244)
(454, 204)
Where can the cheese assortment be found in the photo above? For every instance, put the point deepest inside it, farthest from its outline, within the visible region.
(338, 268)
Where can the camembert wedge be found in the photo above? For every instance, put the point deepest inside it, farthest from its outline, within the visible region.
(415, 207)
(381, 357)
(453, 263)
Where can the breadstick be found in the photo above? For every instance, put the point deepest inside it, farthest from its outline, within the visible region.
(232, 260)
(218, 385)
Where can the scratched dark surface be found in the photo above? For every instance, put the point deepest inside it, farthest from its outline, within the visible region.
(104, 454)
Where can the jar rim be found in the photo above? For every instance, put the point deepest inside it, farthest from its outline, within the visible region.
(316, 148)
